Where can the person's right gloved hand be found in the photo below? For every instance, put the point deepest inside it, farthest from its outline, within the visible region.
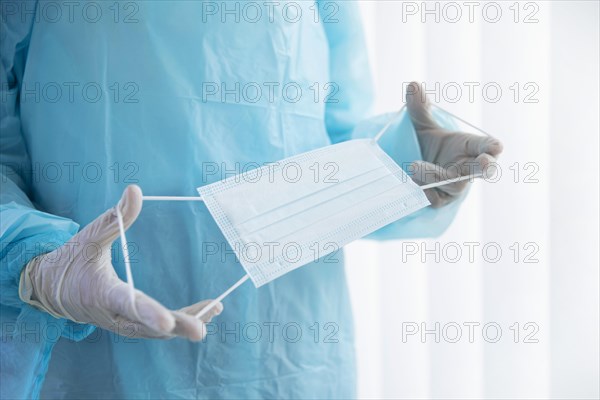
(74, 283)
(446, 154)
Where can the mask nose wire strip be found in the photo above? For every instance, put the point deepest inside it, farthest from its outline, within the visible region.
(447, 181)
(125, 249)
(393, 119)
(222, 296)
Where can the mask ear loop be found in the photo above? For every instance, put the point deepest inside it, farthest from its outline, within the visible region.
(399, 113)
(126, 258)
(452, 180)
(222, 296)
(392, 120)
(124, 246)
(461, 120)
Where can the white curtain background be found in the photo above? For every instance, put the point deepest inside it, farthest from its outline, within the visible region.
(546, 202)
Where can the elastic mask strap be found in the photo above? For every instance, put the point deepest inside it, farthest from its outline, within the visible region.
(399, 113)
(128, 263)
(222, 296)
(461, 120)
(392, 120)
(125, 249)
(213, 303)
(448, 181)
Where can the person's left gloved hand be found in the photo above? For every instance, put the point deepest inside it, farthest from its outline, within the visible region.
(446, 154)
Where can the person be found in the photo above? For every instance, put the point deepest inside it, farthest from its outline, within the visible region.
(169, 97)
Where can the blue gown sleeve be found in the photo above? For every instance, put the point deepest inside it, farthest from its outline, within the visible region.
(346, 115)
(25, 232)
(350, 78)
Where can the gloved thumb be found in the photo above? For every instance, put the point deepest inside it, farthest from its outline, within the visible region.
(417, 104)
(130, 204)
(105, 229)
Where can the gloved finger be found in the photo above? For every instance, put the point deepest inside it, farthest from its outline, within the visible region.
(418, 108)
(476, 145)
(185, 326)
(494, 147)
(423, 173)
(130, 204)
(145, 309)
(487, 165)
(130, 329)
(197, 307)
(105, 229)
(188, 326)
(438, 198)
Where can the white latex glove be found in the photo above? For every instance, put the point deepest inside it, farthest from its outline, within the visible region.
(446, 154)
(77, 281)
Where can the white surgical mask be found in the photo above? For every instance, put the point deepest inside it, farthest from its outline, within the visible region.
(287, 214)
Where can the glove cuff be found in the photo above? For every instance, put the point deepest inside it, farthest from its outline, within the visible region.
(27, 291)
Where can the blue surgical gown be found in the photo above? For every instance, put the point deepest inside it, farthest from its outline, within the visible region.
(163, 94)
